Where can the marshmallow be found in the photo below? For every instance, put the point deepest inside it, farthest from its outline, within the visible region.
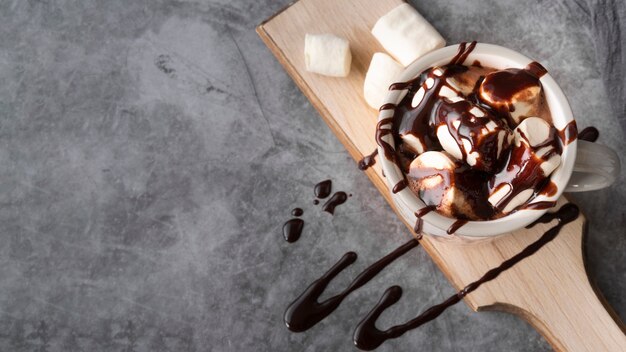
(432, 176)
(533, 130)
(327, 54)
(472, 134)
(532, 160)
(413, 143)
(515, 91)
(536, 132)
(381, 74)
(406, 35)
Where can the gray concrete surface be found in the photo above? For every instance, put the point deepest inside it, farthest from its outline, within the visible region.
(151, 150)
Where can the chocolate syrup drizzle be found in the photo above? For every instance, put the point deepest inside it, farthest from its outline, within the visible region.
(368, 161)
(306, 311)
(540, 205)
(337, 199)
(367, 336)
(569, 133)
(462, 53)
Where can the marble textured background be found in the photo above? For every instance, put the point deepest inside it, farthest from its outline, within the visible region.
(151, 151)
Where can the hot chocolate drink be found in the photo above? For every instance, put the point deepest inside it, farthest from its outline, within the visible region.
(474, 142)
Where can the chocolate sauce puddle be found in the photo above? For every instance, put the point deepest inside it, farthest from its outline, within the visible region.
(306, 311)
(292, 230)
(337, 199)
(322, 189)
(367, 336)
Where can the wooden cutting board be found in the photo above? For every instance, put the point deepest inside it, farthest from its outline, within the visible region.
(550, 289)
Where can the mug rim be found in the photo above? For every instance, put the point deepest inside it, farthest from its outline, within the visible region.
(437, 224)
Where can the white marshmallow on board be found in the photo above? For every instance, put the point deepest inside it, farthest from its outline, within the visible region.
(406, 35)
(327, 54)
(381, 74)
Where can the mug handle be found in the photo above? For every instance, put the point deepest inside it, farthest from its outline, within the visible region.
(597, 166)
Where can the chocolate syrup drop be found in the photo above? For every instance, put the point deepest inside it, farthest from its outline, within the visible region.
(337, 199)
(367, 336)
(419, 214)
(424, 211)
(322, 189)
(306, 311)
(419, 224)
(399, 186)
(456, 226)
(316, 202)
(297, 212)
(589, 134)
(368, 161)
(292, 230)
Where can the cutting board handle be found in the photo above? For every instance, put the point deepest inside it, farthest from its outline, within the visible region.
(556, 296)
(579, 331)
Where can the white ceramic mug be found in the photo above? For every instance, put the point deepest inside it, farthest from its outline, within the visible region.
(584, 166)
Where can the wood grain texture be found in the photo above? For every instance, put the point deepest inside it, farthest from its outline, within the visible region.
(550, 290)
